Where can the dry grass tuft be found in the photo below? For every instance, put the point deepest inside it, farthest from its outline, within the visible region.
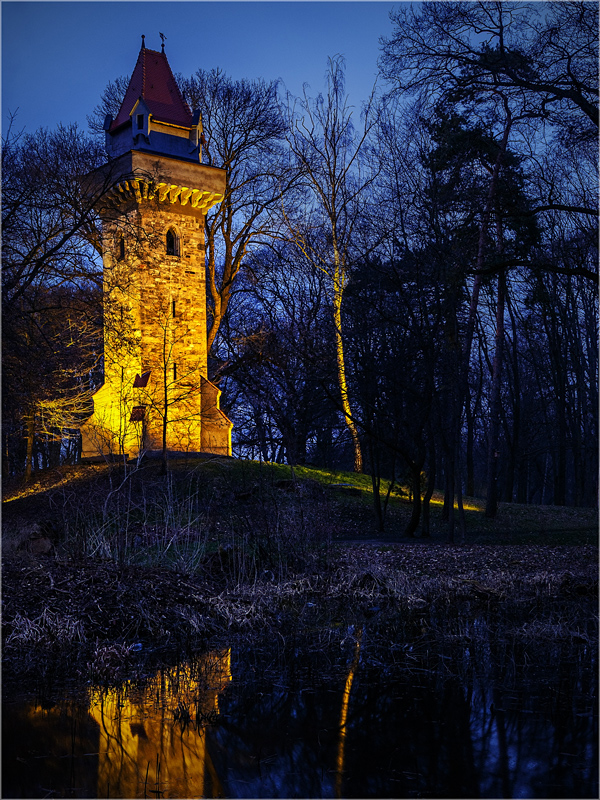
(46, 630)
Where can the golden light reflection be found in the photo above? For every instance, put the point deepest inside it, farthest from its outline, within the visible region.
(153, 741)
(343, 716)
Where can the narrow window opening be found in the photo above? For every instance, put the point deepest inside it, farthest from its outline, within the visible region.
(172, 243)
(174, 308)
(140, 121)
(174, 372)
(121, 249)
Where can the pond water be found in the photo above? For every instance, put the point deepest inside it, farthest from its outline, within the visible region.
(330, 714)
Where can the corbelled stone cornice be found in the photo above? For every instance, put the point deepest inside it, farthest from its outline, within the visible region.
(141, 189)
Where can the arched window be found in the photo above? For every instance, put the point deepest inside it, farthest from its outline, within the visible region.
(121, 248)
(172, 243)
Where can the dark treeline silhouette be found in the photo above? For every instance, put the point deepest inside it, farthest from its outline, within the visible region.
(410, 289)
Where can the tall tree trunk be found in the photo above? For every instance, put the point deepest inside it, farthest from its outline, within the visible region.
(415, 517)
(491, 507)
(462, 525)
(514, 483)
(470, 488)
(376, 483)
(338, 291)
(165, 409)
(522, 479)
(483, 237)
(221, 294)
(431, 477)
(449, 498)
(30, 435)
(165, 460)
(555, 333)
(560, 461)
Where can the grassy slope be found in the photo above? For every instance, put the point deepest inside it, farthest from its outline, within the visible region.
(233, 487)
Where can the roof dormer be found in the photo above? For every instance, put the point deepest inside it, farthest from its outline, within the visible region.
(140, 121)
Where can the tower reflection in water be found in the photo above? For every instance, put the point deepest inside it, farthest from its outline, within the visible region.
(153, 740)
(492, 719)
(134, 741)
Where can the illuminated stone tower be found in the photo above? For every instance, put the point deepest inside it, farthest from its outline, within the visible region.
(156, 392)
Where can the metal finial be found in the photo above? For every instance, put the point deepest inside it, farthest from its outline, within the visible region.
(163, 37)
(143, 42)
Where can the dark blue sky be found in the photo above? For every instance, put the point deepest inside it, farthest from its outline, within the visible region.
(58, 57)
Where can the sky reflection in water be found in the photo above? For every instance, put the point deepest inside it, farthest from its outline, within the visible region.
(478, 718)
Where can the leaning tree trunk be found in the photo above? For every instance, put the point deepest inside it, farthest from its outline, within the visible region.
(338, 291)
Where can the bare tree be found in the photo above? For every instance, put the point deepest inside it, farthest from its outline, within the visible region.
(530, 80)
(49, 224)
(543, 60)
(280, 354)
(549, 56)
(51, 281)
(110, 103)
(172, 395)
(244, 133)
(329, 150)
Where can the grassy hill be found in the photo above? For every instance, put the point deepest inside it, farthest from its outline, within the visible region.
(120, 512)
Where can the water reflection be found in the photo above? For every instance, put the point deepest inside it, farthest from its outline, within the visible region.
(464, 716)
(153, 742)
(344, 715)
(125, 741)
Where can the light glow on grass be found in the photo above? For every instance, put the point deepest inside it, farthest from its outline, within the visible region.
(365, 483)
(468, 505)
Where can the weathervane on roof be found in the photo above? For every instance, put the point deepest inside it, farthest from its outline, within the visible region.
(163, 37)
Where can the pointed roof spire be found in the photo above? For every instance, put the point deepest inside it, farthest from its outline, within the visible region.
(153, 82)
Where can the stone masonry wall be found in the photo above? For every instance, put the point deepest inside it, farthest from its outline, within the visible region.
(155, 320)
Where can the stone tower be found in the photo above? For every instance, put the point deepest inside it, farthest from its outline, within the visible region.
(156, 395)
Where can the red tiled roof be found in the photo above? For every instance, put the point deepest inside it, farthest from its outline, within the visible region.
(153, 80)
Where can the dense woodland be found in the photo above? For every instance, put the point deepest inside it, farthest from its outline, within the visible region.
(407, 287)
